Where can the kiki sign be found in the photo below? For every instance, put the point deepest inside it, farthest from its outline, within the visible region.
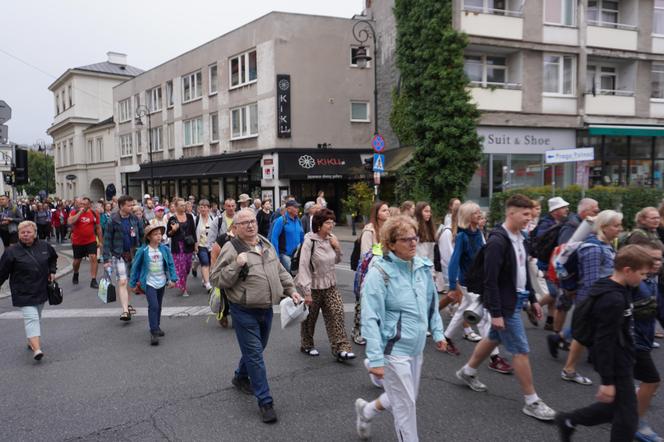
(283, 106)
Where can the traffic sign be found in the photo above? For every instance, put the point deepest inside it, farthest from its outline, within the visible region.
(569, 155)
(378, 162)
(3, 133)
(378, 143)
(5, 112)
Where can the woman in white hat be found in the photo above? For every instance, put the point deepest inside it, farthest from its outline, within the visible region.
(153, 266)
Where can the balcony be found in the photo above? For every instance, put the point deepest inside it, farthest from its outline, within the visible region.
(505, 97)
(612, 24)
(610, 85)
(624, 37)
(478, 17)
(611, 102)
(495, 77)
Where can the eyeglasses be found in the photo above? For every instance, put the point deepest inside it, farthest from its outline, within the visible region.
(247, 223)
(409, 239)
(330, 222)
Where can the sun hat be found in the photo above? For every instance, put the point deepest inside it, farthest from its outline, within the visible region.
(243, 198)
(150, 229)
(556, 203)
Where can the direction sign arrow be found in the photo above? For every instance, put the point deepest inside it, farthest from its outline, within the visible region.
(5, 112)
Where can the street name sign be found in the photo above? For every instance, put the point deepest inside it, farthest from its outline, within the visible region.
(378, 162)
(569, 155)
(5, 112)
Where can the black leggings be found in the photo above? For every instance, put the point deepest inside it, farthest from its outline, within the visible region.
(44, 230)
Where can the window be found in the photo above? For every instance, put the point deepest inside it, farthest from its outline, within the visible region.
(139, 142)
(559, 74)
(63, 101)
(560, 12)
(169, 93)
(71, 98)
(137, 101)
(57, 104)
(155, 139)
(126, 148)
(214, 127)
(602, 12)
(353, 56)
(71, 148)
(192, 86)
(244, 121)
(243, 69)
(213, 79)
(491, 6)
(90, 153)
(658, 18)
(153, 99)
(193, 132)
(100, 149)
(124, 110)
(657, 81)
(486, 69)
(359, 111)
(170, 129)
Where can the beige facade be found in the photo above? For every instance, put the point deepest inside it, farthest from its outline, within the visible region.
(237, 113)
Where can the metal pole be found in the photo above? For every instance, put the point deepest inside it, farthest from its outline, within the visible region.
(150, 153)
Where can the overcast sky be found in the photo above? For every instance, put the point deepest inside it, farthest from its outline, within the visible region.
(41, 39)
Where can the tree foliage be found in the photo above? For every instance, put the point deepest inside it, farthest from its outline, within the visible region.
(40, 167)
(432, 109)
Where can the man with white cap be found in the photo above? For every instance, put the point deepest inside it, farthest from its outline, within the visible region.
(244, 201)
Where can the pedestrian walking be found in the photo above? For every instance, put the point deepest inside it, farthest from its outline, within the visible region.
(222, 224)
(30, 265)
(85, 232)
(59, 221)
(202, 224)
(613, 351)
(264, 218)
(398, 294)
(10, 217)
(310, 209)
(43, 221)
(245, 201)
(316, 280)
(123, 235)
(506, 288)
(153, 266)
(452, 206)
(408, 208)
(320, 200)
(182, 231)
(287, 233)
(254, 281)
(161, 220)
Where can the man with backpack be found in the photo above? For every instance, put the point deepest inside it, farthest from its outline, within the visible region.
(221, 224)
(287, 233)
(504, 292)
(604, 321)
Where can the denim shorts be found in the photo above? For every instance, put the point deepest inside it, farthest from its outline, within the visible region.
(513, 337)
(204, 256)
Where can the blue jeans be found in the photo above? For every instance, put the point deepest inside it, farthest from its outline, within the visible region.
(513, 336)
(155, 298)
(252, 329)
(285, 261)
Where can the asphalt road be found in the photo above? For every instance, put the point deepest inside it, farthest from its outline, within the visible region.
(102, 381)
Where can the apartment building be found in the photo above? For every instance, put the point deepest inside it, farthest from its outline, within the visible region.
(556, 74)
(274, 107)
(82, 129)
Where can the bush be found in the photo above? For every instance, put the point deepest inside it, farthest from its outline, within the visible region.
(628, 200)
(360, 198)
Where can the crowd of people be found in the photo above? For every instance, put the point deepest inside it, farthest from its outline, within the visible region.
(408, 271)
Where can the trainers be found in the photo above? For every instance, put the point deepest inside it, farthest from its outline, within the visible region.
(452, 349)
(243, 384)
(160, 333)
(575, 377)
(532, 317)
(363, 424)
(472, 337)
(375, 380)
(185, 294)
(359, 340)
(646, 434)
(94, 284)
(471, 381)
(74, 278)
(154, 339)
(565, 431)
(268, 414)
(500, 365)
(539, 410)
(553, 341)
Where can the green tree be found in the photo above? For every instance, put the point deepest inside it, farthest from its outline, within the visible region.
(432, 109)
(40, 168)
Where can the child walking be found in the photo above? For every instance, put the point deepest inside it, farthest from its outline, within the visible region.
(154, 268)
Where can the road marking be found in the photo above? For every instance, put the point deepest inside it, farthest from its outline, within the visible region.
(173, 312)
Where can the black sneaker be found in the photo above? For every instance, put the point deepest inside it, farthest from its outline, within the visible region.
(243, 384)
(268, 414)
(74, 278)
(564, 431)
(194, 273)
(160, 333)
(94, 284)
(553, 341)
(154, 339)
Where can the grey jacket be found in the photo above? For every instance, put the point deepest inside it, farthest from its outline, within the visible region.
(266, 281)
(216, 229)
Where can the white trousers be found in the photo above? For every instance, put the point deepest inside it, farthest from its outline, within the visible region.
(456, 323)
(401, 383)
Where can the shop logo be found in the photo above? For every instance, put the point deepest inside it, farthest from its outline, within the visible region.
(307, 162)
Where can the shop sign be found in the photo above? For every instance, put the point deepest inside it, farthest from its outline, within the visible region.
(569, 155)
(525, 140)
(283, 106)
(268, 168)
(309, 162)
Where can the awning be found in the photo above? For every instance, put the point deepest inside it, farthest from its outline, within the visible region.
(212, 167)
(634, 131)
(323, 164)
(395, 159)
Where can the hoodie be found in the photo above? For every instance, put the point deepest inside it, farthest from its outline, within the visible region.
(466, 245)
(613, 345)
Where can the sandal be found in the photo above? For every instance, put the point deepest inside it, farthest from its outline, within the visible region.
(125, 316)
(359, 340)
(344, 356)
(310, 351)
(132, 310)
(575, 377)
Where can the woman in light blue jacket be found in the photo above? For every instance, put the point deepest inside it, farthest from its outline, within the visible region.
(399, 304)
(153, 266)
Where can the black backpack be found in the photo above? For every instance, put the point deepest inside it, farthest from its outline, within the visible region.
(475, 274)
(542, 247)
(583, 326)
(355, 254)
(295, 260)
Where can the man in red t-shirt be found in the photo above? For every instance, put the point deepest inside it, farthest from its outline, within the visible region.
(85, 231)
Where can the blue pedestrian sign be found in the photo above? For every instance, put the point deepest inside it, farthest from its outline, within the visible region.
(378, 143)
(379, 163)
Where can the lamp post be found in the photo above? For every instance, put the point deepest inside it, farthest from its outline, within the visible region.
(362, 31)
(142, 111)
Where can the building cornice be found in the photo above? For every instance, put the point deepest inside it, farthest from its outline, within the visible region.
(75, 71)
(69, 121)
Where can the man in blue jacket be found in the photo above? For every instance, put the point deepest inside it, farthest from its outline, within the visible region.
(506, 289)
(287, 233)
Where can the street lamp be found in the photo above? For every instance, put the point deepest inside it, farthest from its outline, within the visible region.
(362, 31)
(142, 111)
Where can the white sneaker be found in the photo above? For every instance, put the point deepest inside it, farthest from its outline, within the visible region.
(471, 381)
(539, 410)
(376, 381)
(207, 286)
(472, 337)
(363, 424)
